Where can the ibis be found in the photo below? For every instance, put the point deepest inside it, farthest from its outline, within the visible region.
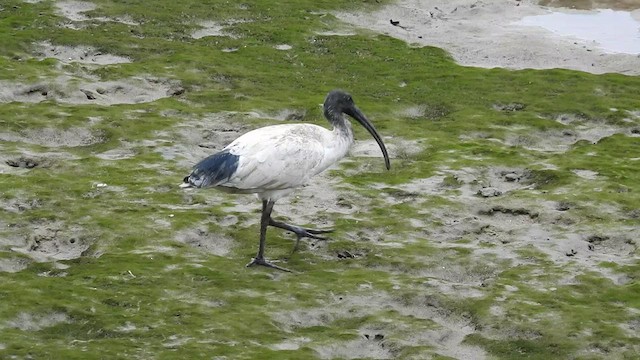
(273, 161)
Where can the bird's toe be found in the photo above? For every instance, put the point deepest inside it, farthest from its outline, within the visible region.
(261, 261)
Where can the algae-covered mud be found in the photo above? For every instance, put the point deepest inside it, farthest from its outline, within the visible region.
(506, 228)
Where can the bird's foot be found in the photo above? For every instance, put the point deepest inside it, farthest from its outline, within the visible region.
(300, 231)
(263, 262)
(309, 233)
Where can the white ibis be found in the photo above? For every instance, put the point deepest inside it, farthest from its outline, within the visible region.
(273, 161)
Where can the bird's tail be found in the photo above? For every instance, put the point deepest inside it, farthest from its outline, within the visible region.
(186, 183)
(212, 170)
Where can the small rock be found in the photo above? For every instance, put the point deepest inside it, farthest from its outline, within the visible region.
(571, 252)
(597, 239)
(295, 116)
(342, 202)
(175, 90)
(511, 177)
(89, 94)
(489, 192)
(509, 107)
(22, 163)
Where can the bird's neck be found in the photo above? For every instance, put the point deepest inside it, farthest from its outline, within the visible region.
(342, 129)
(341, 126)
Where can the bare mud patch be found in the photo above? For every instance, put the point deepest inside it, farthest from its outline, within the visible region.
(195, 139)
(563, 140)
(117, 154)
(577, 128)
(51, 137)
(202, 239)
(486, 34)
(79, 54)
(362, 348)
(315, 205)
(281, 115)
(446, 333)
(511, 229)
(319, 203)
(290, 344)
(70, 90)
(35, 322)
(215, 28)
(425, 111)
(13, 264)
(25, 160)
(462, 184)
(74, 10)
(49, 241)
(20, 204)
(192, 298)
(338, 32)
(586, 174)
(616, 244)
(513, 232)
(455, 289)
(396, 147)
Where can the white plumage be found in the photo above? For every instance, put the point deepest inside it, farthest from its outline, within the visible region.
(275, 160)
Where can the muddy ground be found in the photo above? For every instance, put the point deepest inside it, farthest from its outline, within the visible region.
(483, 33)
(497, 225)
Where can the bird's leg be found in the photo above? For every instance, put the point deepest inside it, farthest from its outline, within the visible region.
(267, 207)
(299, 231)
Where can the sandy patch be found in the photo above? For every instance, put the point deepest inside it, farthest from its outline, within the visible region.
(484, 34)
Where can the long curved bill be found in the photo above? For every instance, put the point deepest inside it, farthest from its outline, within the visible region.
(355, 113)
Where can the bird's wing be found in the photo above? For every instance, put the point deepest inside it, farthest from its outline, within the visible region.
(277, 157)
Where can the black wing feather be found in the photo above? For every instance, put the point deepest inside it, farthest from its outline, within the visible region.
(213, 170)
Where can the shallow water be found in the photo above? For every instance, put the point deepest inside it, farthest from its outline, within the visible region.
(611, 31)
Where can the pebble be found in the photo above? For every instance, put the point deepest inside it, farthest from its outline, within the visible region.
(511, 177)
(489, 192)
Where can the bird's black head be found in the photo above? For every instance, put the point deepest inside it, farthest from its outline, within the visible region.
(336, 103)
(339, 102)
